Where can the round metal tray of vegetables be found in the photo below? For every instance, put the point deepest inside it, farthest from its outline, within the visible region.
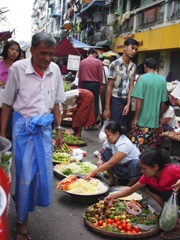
(125, 219)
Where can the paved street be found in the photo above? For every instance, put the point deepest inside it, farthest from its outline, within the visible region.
(63, 220)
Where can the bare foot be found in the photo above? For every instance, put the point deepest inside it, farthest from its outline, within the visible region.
(77, 135)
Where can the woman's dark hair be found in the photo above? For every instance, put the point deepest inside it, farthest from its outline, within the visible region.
(114, 127)
(7, 46)
(24, 53)
(152, 156)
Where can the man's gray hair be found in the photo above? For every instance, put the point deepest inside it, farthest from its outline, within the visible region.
(44, 37)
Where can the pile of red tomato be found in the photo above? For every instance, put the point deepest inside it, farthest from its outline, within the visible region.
(124, 226)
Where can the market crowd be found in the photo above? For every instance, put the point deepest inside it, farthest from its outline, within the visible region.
(32, 92)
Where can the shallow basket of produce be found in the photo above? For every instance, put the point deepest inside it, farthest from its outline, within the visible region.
(117, 222)
(120, 235)
(74, 141)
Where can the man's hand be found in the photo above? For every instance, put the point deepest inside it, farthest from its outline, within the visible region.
(134, 124)
(106, 114)
(125, 110)
(58, 139)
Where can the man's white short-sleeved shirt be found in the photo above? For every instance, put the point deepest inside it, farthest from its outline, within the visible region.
(28, 93)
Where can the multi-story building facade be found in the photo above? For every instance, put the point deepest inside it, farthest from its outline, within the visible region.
(155, 24)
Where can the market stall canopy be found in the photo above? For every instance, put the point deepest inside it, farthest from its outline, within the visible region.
(71, 46)
(5, 35)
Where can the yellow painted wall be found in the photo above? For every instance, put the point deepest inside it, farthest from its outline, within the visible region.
(157, 39)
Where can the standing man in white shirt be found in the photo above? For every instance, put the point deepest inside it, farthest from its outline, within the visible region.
(34, 89)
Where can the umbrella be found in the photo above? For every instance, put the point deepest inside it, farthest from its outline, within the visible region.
(109, 54)
(5, 35)
(71, 46)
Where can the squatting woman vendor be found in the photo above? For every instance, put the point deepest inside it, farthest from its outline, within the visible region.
(118, 156)
(159, 177)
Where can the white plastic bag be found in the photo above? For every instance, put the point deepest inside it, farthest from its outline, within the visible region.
(169, 215)
(102, 135)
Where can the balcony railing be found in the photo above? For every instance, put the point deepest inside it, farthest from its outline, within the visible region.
(154, 15)
(173, 10)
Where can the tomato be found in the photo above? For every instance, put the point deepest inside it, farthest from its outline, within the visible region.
(128, 232)
(118, 223)
(115, 224)
(116, 219)
(109, 220)
(128, 228)
(128, 220)
(123, 231)
(100, 223)
(123, 225)
(133, 232)
(123, 221)
(120, 227)
(136, 229)
(129, 225)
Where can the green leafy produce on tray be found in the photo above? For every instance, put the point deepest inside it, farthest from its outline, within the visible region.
(61, 157)
(75, 168)
(70, 139)
(64, 149)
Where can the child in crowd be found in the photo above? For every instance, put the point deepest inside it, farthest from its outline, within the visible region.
(118, 156)
(159, 177)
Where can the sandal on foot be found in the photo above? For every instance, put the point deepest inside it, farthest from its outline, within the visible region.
(20, 235)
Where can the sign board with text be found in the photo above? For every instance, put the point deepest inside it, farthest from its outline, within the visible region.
(73, 62)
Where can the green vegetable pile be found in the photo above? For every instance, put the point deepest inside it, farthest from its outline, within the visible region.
(5, 161)
(72, 140)
(76, 168)
(67, 86)
(68, 138)
(61, 157)
(64, 149)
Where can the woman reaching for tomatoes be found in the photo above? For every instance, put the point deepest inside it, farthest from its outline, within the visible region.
(159, 177)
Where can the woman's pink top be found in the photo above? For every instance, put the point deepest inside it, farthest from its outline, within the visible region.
(3, 72)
